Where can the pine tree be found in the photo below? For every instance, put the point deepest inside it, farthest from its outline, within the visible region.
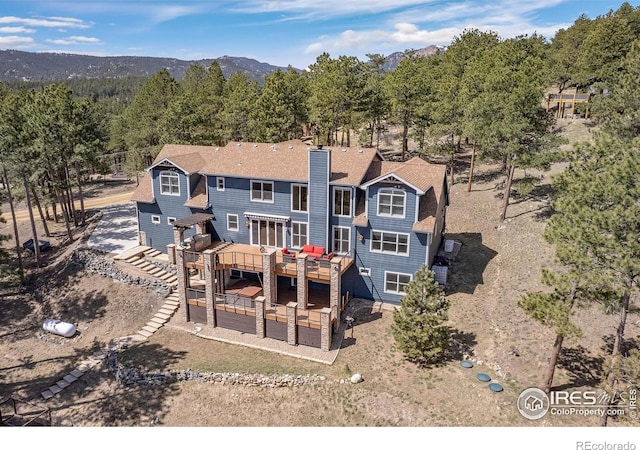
(419, 324)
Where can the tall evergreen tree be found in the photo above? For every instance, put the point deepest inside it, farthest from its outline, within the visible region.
(419, 327)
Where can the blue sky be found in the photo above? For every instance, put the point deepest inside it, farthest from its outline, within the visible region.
(277, 32)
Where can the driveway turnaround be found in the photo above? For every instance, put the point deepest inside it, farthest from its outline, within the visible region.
(117, 230)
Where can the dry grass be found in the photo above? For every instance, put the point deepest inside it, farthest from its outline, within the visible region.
(497, 264)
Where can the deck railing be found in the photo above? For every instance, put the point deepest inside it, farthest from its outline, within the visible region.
(239, 260)
(234, 301)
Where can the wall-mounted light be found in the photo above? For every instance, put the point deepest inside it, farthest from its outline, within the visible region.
(360, 237)
(247, 223)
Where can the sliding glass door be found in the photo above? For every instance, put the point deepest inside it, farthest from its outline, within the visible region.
(267, 232)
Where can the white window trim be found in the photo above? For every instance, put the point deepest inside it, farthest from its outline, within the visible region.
(224, 184)
(333, 236)
(172, 175)
(262, 191)
(386, 291)
(284, 235)
(292, 198)
(237, 228)
(388, 252)
(155, 219)
(306, 236)
(335, 191)
(170, 220)
(364, 271)
(393, 192)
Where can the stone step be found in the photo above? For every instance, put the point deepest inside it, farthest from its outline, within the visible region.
(144, 333)
(167, 311)
(171, 307)
(172, 302)
(149, 329)
(160, 321)
(164, 316)
(167, 276)
(63, 384)
(47, 394)
(155, 272)
(139, 262)
(153, 325)
(152, 253)
(145, 266)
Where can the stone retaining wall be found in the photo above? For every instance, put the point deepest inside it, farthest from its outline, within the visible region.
(130, 376)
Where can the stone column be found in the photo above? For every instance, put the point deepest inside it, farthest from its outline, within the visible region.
(335, 288)
(260, 325)
(181, 275)
(171, 252)
(269, 281)
(325, 329)
(302, 285)
(200, 228)
(178, 236)
(210, 286)
(292, 331)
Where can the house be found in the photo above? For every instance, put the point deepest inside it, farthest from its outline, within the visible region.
(274, 239)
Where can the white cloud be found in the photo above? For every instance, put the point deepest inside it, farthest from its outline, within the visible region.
(305, 9)
(15, 41)
(47, 22)
(73, 40)
(16, 30)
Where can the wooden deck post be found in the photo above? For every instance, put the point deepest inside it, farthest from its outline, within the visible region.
(302, 285)
(325, 329)
(292, 330)
(260, 325)
(210, 286)
(335, 289)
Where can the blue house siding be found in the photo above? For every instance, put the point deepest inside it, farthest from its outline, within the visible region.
(236, 199)
(159, 235)
(319, 168)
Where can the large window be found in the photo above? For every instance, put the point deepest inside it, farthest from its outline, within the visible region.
(341, 241)
(169, 183)
(342, 202)
(395, 283)
(262, 191)
(267, 232)
(387, 242)
(299, 197)
(391, 202)
(298, 234)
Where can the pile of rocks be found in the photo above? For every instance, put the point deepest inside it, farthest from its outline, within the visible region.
(97, 263)
(130, 376)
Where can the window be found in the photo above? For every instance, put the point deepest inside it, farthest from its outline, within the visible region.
(364, 271)
(395, 283)
(341, 239)
(262, 191)
(267, 232)
(169, 183)
(170, 220)
(299, 197)
(220, 183)
(298, 234)
(232, 222)
(155, 219)
(342, 202)
(391, 202)
(386, 242)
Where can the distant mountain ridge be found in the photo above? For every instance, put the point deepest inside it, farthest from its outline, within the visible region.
(31, 66)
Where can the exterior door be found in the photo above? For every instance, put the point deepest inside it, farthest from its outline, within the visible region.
(267, 232)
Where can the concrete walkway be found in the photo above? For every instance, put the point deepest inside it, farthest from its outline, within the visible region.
(117, 230)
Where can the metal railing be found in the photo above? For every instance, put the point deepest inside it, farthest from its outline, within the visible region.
(235, 301)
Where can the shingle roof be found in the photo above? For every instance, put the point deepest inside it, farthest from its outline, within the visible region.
(412, 172)
(143, 192)
(199, 195)
(288, 160)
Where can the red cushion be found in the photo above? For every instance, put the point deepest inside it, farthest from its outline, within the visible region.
(285, 251)
(307, 249)
(318, 250)
(330, 255)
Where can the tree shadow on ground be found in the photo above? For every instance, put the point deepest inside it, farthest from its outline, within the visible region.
(584, 368)
(358, 312)
(627, 345)
(461, 345)
(466, 272)
(112, 403)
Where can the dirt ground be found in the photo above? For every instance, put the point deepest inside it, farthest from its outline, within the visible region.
(498, 262)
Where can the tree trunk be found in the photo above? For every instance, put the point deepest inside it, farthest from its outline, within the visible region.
(617, 349)
(65, 214)
(70, 199)
(36, 244)
(507, 192)
(452, 162)
(557, 346)
(5, 180)
(473, 160)
(37, 202)
(80, 194)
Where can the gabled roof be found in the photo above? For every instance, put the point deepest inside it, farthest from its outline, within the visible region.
(188, 163)
(415, 173)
